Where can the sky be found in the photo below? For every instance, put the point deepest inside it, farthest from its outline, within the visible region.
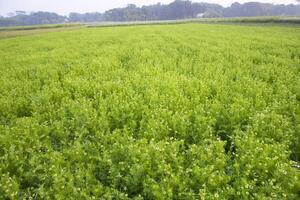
(64, 7)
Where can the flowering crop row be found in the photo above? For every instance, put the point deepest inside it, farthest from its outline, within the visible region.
(185, 111)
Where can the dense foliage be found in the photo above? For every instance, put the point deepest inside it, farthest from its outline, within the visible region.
(151, 112)
(179, 9)
(20, 18)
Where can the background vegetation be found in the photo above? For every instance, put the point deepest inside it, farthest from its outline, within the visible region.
(178, 9)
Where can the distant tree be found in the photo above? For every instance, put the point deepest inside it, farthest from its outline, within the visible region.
(34, 18)
(260, 9)
(179, 9)
(211, 14)
(20, 12)
(11, 14)
(131, 6)
(86, 17)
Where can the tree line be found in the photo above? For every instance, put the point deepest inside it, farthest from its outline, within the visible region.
(179, 9)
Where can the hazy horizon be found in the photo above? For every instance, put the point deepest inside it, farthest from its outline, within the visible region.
(64, 7)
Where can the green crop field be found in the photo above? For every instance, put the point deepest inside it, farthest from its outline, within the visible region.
(183, 111)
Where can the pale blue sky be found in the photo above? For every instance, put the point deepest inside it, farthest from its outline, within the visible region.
(66, 6)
